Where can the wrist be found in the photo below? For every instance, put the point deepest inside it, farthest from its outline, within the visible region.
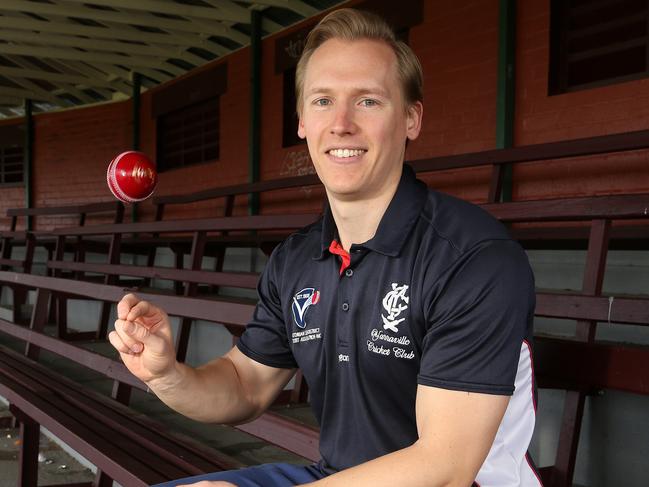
(169, 380)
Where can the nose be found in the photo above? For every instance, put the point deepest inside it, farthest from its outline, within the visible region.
(343, 121)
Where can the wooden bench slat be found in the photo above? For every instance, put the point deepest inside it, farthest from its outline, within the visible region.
(127, 424)
(268, 222)
(227, 312)
(12, 262)
(239, 189)
(539, 152)
(104, 207)
(295, 437)
(629, 206)
(246, 280)
(36, 405)
(633, 311)
(122, 428)
(104, 365)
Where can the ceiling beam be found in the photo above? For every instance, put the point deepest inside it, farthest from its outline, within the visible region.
(10, 100)
(115, 82)
(296, 6)
(69, 28)
(53, 77)
(173, 8)
(154, 75)
(62, 87)
(90, 57)
(111, 31)
(27, 64)
(23, 94)
(41, 93)
(88, 44)
(266, 24)
(7, 113)
(196, 40)
(45, 9)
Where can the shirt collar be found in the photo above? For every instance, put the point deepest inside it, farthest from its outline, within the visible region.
(396, 223)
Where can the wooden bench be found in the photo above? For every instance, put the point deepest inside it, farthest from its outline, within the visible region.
(198, 231)
(12, 239)
(595, 365)
(15, 237)
(594, 218)
(582, 364)
(496, 159)
(84, 420)
(227, 194)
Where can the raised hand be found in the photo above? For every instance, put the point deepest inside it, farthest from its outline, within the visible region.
(143, 338)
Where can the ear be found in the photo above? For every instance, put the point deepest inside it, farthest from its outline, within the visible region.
(301, 133)
(413, 122)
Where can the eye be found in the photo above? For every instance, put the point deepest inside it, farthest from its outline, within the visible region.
(369, 102)
(322, 102)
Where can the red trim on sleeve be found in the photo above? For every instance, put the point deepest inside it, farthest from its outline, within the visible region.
(346, 259)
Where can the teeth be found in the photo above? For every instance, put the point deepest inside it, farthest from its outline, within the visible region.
(346, 152)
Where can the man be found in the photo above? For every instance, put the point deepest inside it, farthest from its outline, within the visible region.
(408, 311)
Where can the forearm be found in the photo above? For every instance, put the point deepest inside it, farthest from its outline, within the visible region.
(419, 465)
(211, 393)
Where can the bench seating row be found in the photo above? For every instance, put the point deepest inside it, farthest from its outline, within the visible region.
(594, 365)
(597, 224)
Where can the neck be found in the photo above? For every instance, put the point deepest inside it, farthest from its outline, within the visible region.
(358, 220)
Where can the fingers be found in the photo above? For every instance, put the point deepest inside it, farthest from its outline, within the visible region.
(118, 343)
(140, 310)
(125, 305)
(131, 308)
(135, 337)
(123, 338)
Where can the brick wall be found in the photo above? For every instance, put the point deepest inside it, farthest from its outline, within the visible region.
(72, 149)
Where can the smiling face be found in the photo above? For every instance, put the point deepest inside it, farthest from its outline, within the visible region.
(355, 120)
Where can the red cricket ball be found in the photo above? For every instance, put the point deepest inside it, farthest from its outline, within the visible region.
(131, 176)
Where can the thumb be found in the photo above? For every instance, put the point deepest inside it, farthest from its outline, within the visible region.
(152, 341)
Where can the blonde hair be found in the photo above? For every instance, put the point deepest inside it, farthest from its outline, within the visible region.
(350, 25)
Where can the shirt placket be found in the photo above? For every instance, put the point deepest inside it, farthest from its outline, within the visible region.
(345, 294)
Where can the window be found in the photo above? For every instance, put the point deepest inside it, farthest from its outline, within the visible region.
(597, 42)
(11, 165)
(187, 118)
(189, 135)
(12, 155)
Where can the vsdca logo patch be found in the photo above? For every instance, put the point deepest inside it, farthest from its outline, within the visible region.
(301, 302)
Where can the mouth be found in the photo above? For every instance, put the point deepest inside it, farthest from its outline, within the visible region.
(346, 153)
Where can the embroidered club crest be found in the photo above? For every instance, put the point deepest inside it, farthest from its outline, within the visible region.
(301, 303)
(394, 303)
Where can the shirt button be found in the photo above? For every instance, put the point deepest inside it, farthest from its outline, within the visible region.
(349, 272)
(345, 306)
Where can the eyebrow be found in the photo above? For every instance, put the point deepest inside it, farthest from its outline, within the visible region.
(357, 91)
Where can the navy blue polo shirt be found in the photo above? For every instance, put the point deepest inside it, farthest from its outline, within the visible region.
(441, 297)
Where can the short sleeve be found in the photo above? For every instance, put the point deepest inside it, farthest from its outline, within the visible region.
(265, 339)
(478, 315)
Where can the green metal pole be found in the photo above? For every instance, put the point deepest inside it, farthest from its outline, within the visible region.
(29, 159)
(255, 108)
(506, 88)
(137, 84)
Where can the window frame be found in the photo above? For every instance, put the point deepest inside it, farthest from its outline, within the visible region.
(182, 115)
(560, 34)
